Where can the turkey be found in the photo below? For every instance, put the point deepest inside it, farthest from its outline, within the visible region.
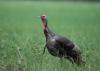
(60, 46)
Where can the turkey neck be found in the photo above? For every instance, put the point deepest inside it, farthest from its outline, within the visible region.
(47, 32)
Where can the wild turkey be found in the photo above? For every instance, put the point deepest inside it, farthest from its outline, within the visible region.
(60, 46)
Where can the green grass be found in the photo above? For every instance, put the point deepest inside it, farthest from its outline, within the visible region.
(22, 39)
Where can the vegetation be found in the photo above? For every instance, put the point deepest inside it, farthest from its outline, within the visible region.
(53, 0)
(22, 39)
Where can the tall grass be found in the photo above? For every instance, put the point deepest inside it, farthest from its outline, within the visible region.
(22, 39)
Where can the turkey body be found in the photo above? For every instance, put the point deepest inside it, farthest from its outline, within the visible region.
(62, 47)
(56, 46)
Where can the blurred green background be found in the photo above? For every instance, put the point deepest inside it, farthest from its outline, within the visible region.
(51, 0)
(22, 38)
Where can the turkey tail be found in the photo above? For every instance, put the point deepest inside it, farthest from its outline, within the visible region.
(77, 59)
(76, 55)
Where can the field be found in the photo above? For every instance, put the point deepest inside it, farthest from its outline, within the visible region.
(22, 39)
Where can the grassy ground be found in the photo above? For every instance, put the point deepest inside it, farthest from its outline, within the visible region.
(22, 39)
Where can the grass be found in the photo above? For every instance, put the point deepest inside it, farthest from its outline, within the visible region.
(22, 39)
